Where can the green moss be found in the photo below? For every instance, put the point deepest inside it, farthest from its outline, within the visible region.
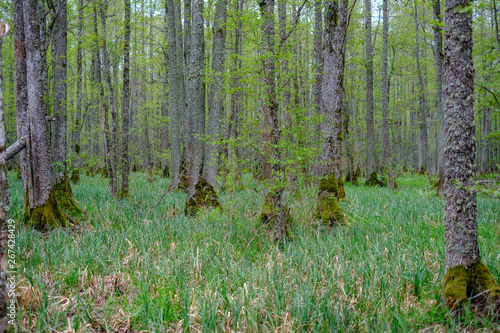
(204, 197)
(329, 185)
(422, 171)
(341, 192)
(75, 176)
(340, 136)
(46, 216)
(65, 198)
(373, 180)
(18, 172)
(267, 215)
(123, 194)
(463, 283)
(329, 210)
(166, 172)
(104, 172)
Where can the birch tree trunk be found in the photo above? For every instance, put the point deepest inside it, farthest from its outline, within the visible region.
(126, 103)
(467, 278)
(216, 98)
(4, 201)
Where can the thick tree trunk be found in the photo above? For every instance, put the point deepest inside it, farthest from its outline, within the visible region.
(466, 277)
(195, 94)
(126, 103)
(370, 147)
(216, 98)
(112, 153)
(318, 71)
(4, 202)
(42, 210)
(424, 107)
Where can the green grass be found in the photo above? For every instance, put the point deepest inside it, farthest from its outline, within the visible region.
(135, 267)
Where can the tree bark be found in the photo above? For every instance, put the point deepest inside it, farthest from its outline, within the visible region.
(318, 71)
(466, 277)
(486, 131)
(126, 103)
(385, 93)
(4, 202)
(216, 98)
(370, 147)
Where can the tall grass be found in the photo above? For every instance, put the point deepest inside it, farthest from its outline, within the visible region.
(135, 266)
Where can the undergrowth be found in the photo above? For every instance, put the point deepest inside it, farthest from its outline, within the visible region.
(139, 265)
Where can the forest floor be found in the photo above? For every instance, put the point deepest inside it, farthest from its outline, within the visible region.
(137, 266)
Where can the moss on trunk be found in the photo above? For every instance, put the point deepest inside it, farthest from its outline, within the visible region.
(267, 216)
(341, 192)
(474, 283)
(46, 216)
(204, 197)
(374, 180)
(65, 198)
(328, 209)
(75, 176)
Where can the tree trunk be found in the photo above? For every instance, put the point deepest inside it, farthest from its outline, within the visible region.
(4, 202)
(216, 98)
(484, 153)
(495, 20)
(385, 97)
(195, 94)
(42, 209)
(318, 72)
(126, 103)
(424, 107)
(112, 154)
(370, 147)
(467, 279)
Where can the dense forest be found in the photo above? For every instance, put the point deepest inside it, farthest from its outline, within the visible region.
(231, 164)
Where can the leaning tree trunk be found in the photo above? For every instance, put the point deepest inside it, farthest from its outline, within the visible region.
(467, 278)
(64, 194)
(4, 201)
(216, 98)
(438, 60)
(331, 187)
(41, 209)
(126, 102)
(370, 147)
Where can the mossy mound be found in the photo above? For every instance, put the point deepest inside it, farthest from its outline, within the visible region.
(65, 198)
(46, 216)
(151, 176)
(374, 180)
(422, 171)
(75, 176)
(355, 176)
(473, 283)
(204, 197)
(329, 210)
(165, 172)
(104, 172)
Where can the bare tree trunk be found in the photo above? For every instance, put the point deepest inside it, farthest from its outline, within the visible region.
(42, 209)
(495, 20)
(370, 147)
(484, 153)
(216, 98)
(466, 276)
(424, 109)
(107, 76)
(318, 73)
(385, 97)
(4, 202)
(126, 103)
(195, 94)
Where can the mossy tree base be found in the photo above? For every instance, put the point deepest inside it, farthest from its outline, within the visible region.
(328, 209)
(355, 175)
(46, 216)
(473, 283)
(204, 197)
(166, 172)
(65, 198)
(374, 180)
(75, 176)
(268, 216)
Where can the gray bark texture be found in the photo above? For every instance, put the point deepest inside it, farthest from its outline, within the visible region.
(486, 131)
(495, 20)
(126, 103)
(460, 206)
(175, 98)
(39, 150)
(318, 71)
(424, 107)
(336, 23)
(216, 97)
(370, 147)
(385, 92)
(59, 64)
(112, 153)
(4, 201)
(195, 94)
